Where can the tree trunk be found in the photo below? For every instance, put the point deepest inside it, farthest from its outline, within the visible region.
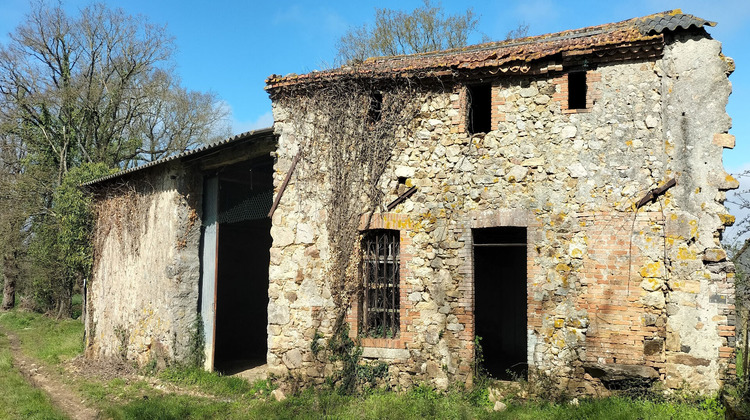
(65, 300)
(10, 272)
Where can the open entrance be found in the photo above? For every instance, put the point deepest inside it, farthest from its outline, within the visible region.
(236, 246)
(500, 299)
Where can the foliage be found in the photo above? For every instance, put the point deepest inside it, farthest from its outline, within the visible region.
(395, 32)
(80, 96)
(196, 346)
(353, 374)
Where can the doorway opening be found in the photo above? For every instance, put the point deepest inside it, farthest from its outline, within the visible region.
(236, 255)
(500, 300)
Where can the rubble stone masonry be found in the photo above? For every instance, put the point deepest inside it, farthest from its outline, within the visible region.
(607, 283)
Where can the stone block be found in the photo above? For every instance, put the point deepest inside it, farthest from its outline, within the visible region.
(714, 255)
(385, 353)
(724, 140)
(577, 170)
(688, 360)
(516, 174)
(653, 346)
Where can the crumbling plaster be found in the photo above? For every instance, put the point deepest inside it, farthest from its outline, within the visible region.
(143, 298)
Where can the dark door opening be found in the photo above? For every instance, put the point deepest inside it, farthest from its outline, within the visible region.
(245, 194)
(500, 300)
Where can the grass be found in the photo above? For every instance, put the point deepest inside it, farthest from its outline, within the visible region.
(215, 384)
(209, 395)
(44, 338)
(18, 399)
(419, 403)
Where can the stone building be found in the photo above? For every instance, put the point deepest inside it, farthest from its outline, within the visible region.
(558, 196)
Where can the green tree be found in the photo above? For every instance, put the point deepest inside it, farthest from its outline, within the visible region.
(395, 32)
(95, 91)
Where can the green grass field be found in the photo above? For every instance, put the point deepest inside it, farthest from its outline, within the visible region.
(204, 395)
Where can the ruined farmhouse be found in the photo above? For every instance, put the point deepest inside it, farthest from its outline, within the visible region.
(555, 201)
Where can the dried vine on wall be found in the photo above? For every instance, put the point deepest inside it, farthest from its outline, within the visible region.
(351, 129)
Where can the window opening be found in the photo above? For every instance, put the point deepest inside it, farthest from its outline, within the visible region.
(381, 276)
(577, 90)
(480, 108)
(375, 110)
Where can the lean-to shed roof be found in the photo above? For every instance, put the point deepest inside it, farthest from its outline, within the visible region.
(194, 153)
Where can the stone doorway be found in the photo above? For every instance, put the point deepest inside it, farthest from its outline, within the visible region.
(500, 299)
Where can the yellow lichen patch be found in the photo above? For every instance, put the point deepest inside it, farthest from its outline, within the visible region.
(629, 143)
(727, 219)
(559, 323)
(668, 146)
(697, 190)
(562, 268)
(652, 284)
(652, 269)
(684, 253)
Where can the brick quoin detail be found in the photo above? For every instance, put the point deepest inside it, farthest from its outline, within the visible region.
(400, 222)
(498, 106)
(593, 93)
(612, 291)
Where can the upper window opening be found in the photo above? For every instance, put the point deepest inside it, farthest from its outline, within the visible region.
(480, 108)
(577, 90)
(381, 277)
(375, 111)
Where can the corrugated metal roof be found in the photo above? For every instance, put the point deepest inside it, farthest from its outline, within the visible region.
(189, 153)
(514, 55)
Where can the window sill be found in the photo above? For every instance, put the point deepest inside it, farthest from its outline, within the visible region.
(388, 343)
(577, 111)
(385, 353)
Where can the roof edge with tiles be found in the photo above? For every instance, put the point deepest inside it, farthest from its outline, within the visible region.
(512, 55)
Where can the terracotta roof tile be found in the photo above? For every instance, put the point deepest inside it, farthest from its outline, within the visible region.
(638, 34)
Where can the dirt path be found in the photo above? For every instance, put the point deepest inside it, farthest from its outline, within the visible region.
(36, 374)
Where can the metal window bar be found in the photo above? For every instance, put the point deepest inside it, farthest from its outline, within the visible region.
(381, 283)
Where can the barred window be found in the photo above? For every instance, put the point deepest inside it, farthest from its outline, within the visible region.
(380, 275)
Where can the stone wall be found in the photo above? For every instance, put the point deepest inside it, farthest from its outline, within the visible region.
(142, 299)
(608, 283)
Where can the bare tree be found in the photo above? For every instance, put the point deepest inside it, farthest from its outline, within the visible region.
(96, 90)
(521, 31)
(395, 32)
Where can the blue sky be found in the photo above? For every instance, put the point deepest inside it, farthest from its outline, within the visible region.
(231, 46)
